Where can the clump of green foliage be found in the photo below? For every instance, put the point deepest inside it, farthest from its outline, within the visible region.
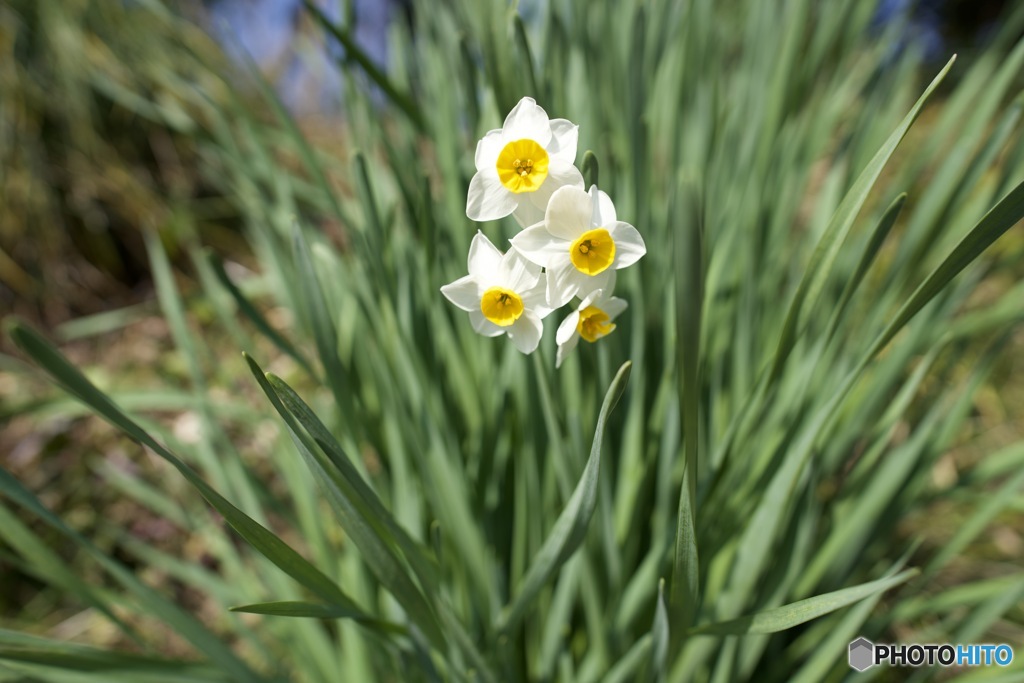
(98, 136)
(711, 493)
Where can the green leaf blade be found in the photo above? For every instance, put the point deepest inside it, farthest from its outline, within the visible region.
(825, 253)
(571, 526)
(802, 611)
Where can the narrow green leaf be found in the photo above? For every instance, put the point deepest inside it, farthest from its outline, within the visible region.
(150, 600)
(252, 313)
(689, 283)
(967, 531)
(49, 566)
(469, 649)
(802, 611)
(82, 658)
(981, 619)
(526, 57)
(113, 666)
(570, 528)
(468, 73)
(764, 524)
(363, 497)
(104, 322)
(953, 598)
(325, 333)
(997, 221)
(821, 652)
(315, 610)
(1001, 463)
(263, 540)
(867, 258)
(590, 169)
(295, 608)
(302, 146)
(627, 667)
(827, 250)
(558, 618)
(375, 550)
(659, 637)
(372, 237)
(374, 222)
(356, 54)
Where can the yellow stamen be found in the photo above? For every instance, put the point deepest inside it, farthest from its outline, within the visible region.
(593, 251)
(522, 166)
(501, 306)
(594, 324)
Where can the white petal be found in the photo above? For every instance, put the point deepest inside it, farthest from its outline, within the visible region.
(566, 348)
(525, 332)
(484, 257)
(584, 285)
(567, 328)
(488, 199)
(516, 273)
(614, 307)
(604, 209)
(482, 325)
(589, 299)
(464, 293)
(568, 214)
(539, 245)
(629, 245)
(488, 149)
(564, 136)
(605, 293)
(536, 299)
(526, 212)
(560, 174)
(561, 285)
(527, 120)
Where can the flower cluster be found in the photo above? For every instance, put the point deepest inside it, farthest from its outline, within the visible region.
(570, 246)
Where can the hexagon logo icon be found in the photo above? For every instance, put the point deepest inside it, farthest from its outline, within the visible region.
(862, 654)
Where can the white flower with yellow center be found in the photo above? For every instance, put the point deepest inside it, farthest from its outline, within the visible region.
(580, 242)
(519, 166)
(503, 294)
(591, 320)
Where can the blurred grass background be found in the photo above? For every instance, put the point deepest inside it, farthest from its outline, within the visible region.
(106, 115)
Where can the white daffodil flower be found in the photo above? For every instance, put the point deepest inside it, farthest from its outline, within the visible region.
(591, 320)
(580, 242)
(519, 166)
(503, 294)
